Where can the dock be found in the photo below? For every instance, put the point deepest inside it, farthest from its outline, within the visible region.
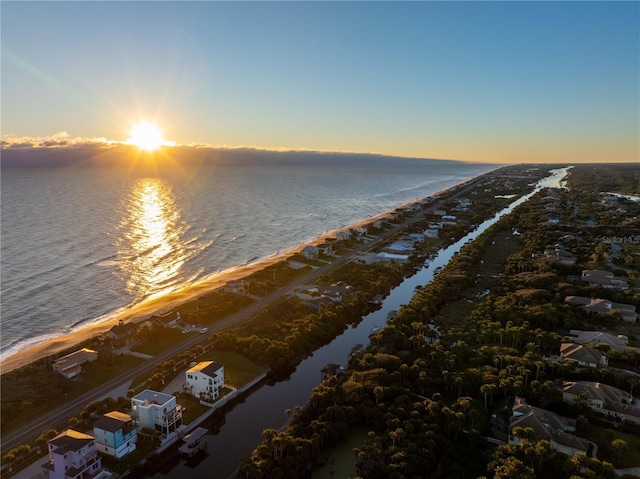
(194, 442)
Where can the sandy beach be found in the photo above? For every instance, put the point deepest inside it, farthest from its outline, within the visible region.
(164, 303)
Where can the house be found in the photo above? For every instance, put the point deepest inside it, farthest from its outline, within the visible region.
(400, 246)
(606, 279)
(204, 380)
(617, 343)
(156, 410)
(336, 291)
(602, 398)
(547, 426)
(310, 252)
(168, 320)
(439, 212)
(343, 235)
(316, 303)
(431, 233)
(72, 455)
(559, 253)
(583, 356)
(416, 237)
(235, 287)
(115, 434)
(378, 223)
(392, 258)
(603, 306)
(71, 364)
(121, 333)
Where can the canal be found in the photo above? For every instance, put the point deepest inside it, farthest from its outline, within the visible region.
(265, 407)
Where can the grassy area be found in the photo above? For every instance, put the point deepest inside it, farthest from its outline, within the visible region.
(97, 373)
(238, 370)
(632, 456)
(160, 344)
(125, 463)
(93, 375)
(192, 409)
(339, 460)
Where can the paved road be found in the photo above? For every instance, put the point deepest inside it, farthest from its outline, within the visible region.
(60, 415)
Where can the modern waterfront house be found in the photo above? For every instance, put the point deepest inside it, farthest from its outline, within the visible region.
(156, 410)
(204, 380)
(72, 455)
(115, 434)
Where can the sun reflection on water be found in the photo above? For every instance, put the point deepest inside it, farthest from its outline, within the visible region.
(150, 248)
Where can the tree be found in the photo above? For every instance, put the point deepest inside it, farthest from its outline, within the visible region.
(619, 448)
(513, 468)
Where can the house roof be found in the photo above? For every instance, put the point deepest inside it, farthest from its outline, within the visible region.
(70, 440)
(599, 305)
(74, 358)
(210, 368)
(149, 396)
(546, 425)
(167, 317)
(594, 390)
(618, 343)
(122, 330)
(578, 352)
(112, 421)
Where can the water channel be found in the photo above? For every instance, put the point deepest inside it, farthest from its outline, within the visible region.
(265, 407)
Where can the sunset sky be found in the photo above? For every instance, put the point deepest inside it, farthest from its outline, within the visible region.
(499, 82)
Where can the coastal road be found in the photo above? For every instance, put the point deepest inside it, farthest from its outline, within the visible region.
(60, 415)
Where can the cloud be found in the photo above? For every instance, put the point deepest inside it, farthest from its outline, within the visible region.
(61, 149)
(60, 139)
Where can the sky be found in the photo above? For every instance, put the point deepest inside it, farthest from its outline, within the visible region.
(497, 82)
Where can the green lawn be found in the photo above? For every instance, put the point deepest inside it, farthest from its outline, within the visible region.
(238, 370)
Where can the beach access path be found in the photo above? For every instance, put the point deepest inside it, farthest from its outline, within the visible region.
(60, 415)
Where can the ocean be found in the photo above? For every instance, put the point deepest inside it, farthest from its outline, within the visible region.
(80, 245)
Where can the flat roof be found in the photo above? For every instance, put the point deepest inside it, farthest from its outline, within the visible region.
(153, 397)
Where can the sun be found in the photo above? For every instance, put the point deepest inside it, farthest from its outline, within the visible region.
(147, 136)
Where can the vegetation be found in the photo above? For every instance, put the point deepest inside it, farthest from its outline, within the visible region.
(428, 399)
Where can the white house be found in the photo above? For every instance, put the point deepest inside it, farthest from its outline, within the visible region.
(204, 380)
(115, 434)
(72, 455)
(156, 410)
(71, 364)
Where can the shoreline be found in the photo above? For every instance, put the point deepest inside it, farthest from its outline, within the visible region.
(173, 299)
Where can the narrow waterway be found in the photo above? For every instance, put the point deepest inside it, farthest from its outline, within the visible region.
(265, 408)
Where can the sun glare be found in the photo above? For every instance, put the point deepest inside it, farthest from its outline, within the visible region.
(146, 136)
